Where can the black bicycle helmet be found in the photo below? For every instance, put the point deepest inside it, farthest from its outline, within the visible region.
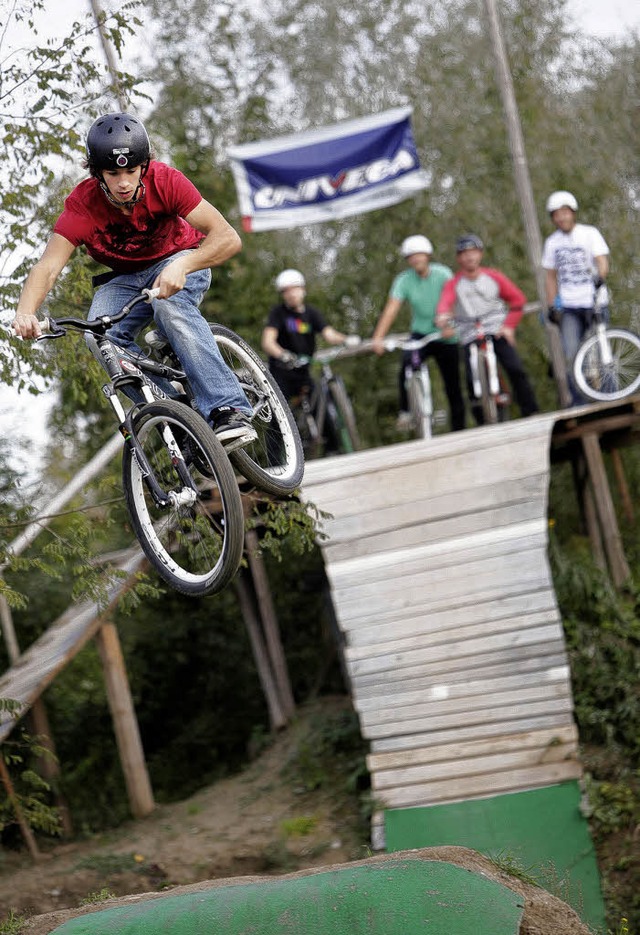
(117, 141)
(468, 242)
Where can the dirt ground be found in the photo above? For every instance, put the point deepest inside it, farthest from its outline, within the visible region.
(253, 824)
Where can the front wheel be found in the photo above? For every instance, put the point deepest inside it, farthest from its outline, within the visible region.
(420, 402)
(489, 402)
(607, 365)
(274, 462)
(345, 421)
(194, 539)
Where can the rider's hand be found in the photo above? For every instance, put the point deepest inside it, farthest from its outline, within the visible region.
(286, 357)
(171, 279)
(352, 340)
(597, 282)
(26, 326)
(377, 346)
(447, 326)
(554, 314)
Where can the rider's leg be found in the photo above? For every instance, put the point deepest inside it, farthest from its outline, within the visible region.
(522, 389)
(447, 357)
(573, 326)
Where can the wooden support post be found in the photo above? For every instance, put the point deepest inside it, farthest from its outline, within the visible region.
(593, 528)
(623, 487)
(23, 824)
(269, 623)
(618, 566)
(277, 718)
(124, 722)
(48, 764)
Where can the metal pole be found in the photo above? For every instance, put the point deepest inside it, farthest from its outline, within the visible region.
(98, 15)
(525, 192)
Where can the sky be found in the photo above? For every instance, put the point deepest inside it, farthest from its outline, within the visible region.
(20, 414)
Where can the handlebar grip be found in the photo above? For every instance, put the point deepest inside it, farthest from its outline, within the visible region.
(151, 294)
(45, 326)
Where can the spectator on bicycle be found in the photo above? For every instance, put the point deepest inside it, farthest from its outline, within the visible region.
(421, 286)
(576, 263)
(152, 228)
(481, 295)
(291, 331)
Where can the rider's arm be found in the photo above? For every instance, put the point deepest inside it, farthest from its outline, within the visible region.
(220, 243)
(331, 336)
(387, 318)
(602, 265)
(39, 283)
(445, 318)
(269, 343)
(551, 285)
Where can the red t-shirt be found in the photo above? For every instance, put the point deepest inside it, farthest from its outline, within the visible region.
(126, 244)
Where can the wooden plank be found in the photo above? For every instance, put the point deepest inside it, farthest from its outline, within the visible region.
(535, 429)
(461, 767)
(460, 611)
(441, 690)
(490, 578)
(504, 540)
(489, 665)
(505, 743)
(405, 637)
(498, 716)
(556, 717)
(381, 664)
(383, 531)
(476, 787)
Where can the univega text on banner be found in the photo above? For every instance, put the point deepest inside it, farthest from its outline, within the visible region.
(332, 172)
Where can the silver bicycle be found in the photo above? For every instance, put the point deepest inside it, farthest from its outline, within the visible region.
(418, 382)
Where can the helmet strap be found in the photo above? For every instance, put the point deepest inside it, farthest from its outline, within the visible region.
(138, 194)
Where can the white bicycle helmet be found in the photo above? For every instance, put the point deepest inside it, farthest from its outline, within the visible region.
(416, 244)
(288, 278)
(561, 200)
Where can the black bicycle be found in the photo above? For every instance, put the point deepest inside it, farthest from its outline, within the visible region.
(180, 488)
(323, 413)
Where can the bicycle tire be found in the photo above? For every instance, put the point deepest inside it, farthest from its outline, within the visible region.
(308, 430)
(274, 462)
(195, 546)
(608, 382)
(347, 431)
(419, 396)
(488, 400)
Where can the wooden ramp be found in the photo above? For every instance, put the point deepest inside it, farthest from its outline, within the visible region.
(436, 555)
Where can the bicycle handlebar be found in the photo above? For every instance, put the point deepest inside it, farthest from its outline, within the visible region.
(56, 327)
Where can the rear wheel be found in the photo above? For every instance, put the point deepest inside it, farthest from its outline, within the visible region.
(194, 538)
(607, 366)
(274, 462)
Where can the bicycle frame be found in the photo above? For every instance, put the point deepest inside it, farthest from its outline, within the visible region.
(123, 371)
(485, 376)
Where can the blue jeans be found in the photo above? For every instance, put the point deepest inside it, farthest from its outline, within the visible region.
(180, 321)
(574, 324)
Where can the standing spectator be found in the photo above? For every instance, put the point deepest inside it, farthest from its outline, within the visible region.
(480, 294)
(576, 263)
(420, 286)
(291, 331)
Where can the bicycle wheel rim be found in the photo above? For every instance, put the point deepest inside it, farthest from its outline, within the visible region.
(274, 462)
(608, 382)
(195, 546)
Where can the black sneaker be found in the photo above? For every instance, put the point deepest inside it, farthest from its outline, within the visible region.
(232, 427)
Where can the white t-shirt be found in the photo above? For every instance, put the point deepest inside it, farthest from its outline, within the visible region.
(572, 256)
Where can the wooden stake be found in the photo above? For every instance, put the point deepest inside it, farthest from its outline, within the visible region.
(269, 623)
(27, 833)
(606, 513)
(277, 718)
(124, 722)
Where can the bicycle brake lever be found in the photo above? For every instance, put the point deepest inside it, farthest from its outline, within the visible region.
(50, 331)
